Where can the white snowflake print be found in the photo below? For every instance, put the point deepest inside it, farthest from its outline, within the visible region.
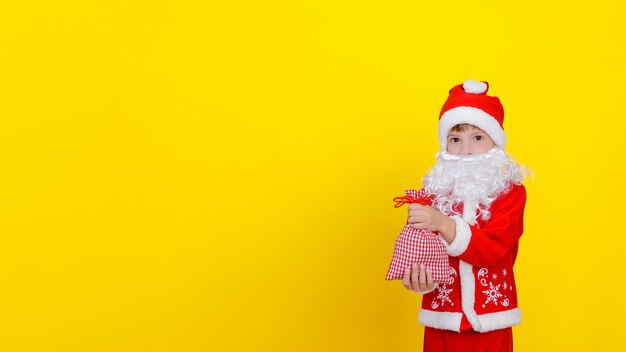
(493, 293)
(482, 273)
(503, 272)
(443, 295)
(505, 285)
(494, 276)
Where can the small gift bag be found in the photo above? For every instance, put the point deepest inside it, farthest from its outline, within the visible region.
(419, 245)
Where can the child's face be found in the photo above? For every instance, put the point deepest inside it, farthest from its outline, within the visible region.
(471, 141)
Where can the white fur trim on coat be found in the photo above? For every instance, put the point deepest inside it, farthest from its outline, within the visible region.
(468, 297)
(440, 320)
(500, 320)
(452, 320)
(473, 116)
(461, 238)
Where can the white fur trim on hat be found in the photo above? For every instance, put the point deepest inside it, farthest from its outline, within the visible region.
(474, 87)
(473, 116)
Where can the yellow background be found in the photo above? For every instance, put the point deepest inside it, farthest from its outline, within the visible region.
(218, 176)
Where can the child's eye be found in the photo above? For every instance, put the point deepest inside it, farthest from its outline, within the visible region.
(479, 138)
(454, 139)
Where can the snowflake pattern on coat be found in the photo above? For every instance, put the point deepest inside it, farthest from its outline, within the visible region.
(493, 293)
(443, 292)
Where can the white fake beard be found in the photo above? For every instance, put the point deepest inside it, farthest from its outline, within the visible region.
(474, 180)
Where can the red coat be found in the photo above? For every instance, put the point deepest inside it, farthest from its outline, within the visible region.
(483, 294)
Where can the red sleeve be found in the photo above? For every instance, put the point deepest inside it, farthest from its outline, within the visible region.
(489, 244)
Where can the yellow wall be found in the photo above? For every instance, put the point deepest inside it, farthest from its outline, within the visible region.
(218, 176)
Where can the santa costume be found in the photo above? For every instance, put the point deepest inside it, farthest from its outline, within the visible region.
(480, 304)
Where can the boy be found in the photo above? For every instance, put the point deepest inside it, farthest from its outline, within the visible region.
(478, 213)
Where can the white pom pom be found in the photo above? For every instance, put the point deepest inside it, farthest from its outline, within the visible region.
(474, 87)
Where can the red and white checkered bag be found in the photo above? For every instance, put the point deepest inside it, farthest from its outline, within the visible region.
(418, 245)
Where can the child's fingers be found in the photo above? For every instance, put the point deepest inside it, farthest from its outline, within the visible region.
(406, 279)
(417, 214)
(429, 278)
(418, 225)
(422, 278)
(416, 218)
(414, 206)
(415, 277)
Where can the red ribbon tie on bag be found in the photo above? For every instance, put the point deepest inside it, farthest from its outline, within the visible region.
(400, 201)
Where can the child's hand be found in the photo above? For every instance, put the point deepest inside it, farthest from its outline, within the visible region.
(419, 279)
(425, 217)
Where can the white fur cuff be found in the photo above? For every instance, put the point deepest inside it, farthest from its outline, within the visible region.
(462, 238)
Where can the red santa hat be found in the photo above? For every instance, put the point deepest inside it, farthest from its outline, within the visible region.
(469, 103)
